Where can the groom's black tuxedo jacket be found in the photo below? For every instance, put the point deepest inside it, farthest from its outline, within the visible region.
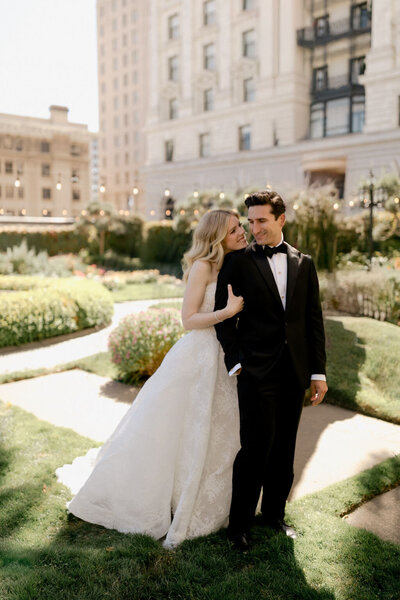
(258, 336)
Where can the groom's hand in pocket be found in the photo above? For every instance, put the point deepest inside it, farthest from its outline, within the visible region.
(318, 390)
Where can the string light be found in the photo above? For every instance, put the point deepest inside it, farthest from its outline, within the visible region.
(221, 195)
(152, 212)
(167, 192)
(64, 212)
(396, 200)
(351, 203)
(168, 213)
(102, 213)
(196, 212)
(335, 206)
(17, 182)
(102, 188)
(182, 212)
(195, 194)
(295, 206)
(83, 213)
(135, 191)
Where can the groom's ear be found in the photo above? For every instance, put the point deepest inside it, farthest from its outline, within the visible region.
(282, 219)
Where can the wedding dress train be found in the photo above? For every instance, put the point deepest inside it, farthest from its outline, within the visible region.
(167, 468)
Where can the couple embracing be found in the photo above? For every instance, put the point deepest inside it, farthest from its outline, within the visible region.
(217, 423)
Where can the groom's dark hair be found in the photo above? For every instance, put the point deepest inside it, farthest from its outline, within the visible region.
(270, 198)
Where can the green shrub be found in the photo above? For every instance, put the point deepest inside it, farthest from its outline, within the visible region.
(374, 293)
(140, 342)
(54, 242)
(164, 244)
(44, 308)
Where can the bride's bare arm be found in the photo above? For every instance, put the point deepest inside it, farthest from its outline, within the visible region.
(199, 277)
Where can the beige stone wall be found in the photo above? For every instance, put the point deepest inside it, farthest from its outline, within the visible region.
(122, 32)
(41, 153)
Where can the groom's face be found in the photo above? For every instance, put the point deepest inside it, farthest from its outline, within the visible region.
(265, 229)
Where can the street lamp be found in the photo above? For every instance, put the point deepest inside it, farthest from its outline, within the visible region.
(370, 196)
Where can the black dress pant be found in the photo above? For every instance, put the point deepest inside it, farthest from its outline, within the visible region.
(270, 411)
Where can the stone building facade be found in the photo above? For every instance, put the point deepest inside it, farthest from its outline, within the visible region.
(44, 165)
(242, 93)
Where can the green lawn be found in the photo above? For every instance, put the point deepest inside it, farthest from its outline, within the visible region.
(146, 291)
(363, 366)
(46, 555)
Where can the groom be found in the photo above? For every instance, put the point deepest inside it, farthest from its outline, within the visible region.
(277, 349)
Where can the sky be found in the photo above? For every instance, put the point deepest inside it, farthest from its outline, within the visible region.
(48, 55)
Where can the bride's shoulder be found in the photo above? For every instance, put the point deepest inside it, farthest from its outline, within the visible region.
(201, 266)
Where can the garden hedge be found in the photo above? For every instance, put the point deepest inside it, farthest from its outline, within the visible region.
(35, 308)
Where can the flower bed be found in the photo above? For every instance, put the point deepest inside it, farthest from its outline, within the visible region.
(140, 342)
(35, 308)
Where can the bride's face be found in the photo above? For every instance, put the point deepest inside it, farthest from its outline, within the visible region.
(235, 238)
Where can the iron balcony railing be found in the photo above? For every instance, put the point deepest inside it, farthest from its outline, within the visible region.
(337, 86)
(318, 35)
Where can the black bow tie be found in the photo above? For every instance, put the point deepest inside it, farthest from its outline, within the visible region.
(268, 251)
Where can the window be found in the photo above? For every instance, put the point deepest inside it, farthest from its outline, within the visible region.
(249, 43)
(126, 120)
(204, 145)
(248, 4)
(115, 102)
(208, 100)
(19, 145)
(357, 114)
(76, 195)
(357, 68)
(317, 120)
(173, 68)
(115, 63)
(8, 167)
(75, 150)
(321, 26)
(209, 57)
(20, 192)
(173, 108)
(245, 137)
(115, 83)
(75, 175)
(9, 191)
(45, 170)
(44, 147)
(169, 151)
(173, 27)
(320, 78)
(337, 116)
(209, 13)
(46, 193)
(249, 90)
(360, 16)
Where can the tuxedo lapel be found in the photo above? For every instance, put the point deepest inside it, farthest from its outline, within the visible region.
(265, 270)
(292, 271)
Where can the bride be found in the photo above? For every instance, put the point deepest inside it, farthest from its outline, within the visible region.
(166, 470)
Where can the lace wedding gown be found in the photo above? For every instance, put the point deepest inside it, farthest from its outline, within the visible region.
(167, 468)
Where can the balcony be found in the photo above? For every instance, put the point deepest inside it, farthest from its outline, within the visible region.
(324, 33)
(336, 87)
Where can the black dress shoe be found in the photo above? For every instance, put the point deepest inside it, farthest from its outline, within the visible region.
(280, 526)
(240, 541)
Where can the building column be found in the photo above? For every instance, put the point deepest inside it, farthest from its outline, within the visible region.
(153, 62)
(382, 77)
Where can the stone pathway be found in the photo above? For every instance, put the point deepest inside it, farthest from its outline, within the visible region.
(381, 516)
(333, 443)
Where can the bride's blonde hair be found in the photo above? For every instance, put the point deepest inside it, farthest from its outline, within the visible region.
(207, 240)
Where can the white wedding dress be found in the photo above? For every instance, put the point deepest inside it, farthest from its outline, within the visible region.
(167, 468)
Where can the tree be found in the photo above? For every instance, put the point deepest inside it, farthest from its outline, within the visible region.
(315, 213)
(97, 221)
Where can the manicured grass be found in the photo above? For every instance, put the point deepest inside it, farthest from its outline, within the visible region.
(45, 554)
(363, 366)
(177, 305)
(146, 291)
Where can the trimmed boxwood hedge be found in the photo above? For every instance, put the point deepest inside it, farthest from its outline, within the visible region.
(35, 308)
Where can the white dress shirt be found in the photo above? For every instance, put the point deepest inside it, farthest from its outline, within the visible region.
(278, 264)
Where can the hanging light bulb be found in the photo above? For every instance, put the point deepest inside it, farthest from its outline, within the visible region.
(64, 212)
(59, 184)
(102, 188)
(23, 212)
(351, 203)
(221, 195)
(182, 212)
(295, 206)
(196, 212)
(167, 192)
(396, 200)
(152, 212)
(335, 206)
(135, 190)
(102, 213)
(83, 213)
(195, 194)
(17, 182)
